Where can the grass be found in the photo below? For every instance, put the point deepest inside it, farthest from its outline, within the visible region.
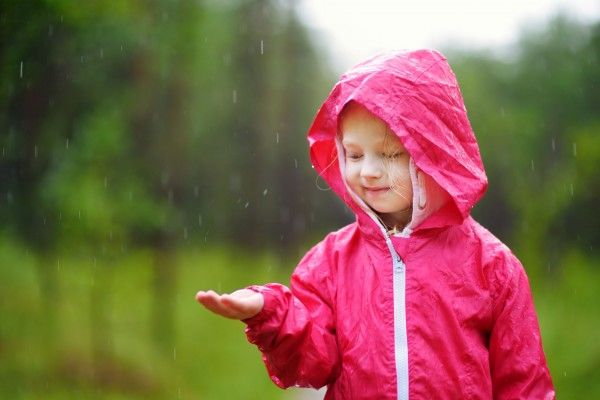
(52, 347)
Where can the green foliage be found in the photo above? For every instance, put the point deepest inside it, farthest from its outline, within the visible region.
(533, 113)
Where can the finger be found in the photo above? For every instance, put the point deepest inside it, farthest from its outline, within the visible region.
(212, 301)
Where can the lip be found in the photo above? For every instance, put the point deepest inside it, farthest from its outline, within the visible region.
(376, 190)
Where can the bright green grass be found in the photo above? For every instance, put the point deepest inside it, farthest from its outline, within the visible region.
(209, 357)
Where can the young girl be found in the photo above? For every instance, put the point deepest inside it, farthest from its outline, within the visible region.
(415, 299)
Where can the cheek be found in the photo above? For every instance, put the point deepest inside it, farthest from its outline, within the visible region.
(350, 172)
(400, 177)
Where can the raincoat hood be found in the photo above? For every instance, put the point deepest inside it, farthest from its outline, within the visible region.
(416, 94)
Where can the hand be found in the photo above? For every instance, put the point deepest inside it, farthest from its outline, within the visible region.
(241, 304)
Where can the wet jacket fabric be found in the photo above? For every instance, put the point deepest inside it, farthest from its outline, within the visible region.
(442, 310)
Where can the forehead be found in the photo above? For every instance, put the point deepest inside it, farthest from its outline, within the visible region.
(359, 126)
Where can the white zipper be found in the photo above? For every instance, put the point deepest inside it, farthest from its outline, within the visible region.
(400, 339)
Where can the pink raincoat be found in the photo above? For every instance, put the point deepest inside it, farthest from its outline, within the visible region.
(442, 310)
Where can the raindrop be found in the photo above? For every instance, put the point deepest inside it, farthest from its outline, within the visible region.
(101, 53)
(277, 137)
(130, 195)
(185, 234)
(553, 144)
(58, 265)
(571, 189)
(21, 71)
(532, 166)
(262, 47)
(199, 219)
(296, 163)
(67, 144)
(174, 353)
(234, 96)
(247, 204)
(196, 191)
(574, 149)
(170, 195)
(79, 214)
(105, 182)
(35, 151)
(265, 192)
(50, 30)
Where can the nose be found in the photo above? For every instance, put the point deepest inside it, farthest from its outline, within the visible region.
(371, 168)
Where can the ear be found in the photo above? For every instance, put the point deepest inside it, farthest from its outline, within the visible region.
(422, 200)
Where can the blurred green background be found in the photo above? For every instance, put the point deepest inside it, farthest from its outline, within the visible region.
(154, 148)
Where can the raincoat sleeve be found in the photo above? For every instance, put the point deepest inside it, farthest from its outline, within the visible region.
(295, 330)
(517, 361)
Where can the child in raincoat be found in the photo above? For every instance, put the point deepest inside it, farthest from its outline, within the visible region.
(414, 299)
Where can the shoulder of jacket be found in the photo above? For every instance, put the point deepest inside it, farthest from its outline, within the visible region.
(327, 250)
(498, 261)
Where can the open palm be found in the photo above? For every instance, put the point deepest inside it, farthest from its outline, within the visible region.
(241, 304)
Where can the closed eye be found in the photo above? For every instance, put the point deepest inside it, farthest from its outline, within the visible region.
(353, 156)
(393, 155)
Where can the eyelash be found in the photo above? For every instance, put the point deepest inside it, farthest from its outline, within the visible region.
(390, 156)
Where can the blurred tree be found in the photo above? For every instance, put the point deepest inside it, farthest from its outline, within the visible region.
(533, 111)
(152, 124)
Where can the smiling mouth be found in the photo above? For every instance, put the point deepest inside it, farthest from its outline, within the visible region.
(376, 190)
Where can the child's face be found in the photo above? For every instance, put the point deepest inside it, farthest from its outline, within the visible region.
(376, 166)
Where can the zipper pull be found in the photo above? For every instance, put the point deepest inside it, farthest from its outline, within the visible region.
(399, 264)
